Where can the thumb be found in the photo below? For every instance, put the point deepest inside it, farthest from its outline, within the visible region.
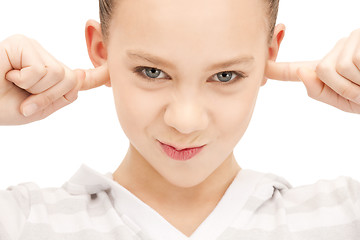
(313, 84)
(92, 78)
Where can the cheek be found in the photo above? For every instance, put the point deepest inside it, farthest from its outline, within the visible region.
(136, 109)
(234, 112)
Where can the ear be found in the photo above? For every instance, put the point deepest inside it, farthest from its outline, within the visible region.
(95, 44)
(274, 47)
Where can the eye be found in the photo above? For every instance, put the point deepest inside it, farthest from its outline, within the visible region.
(148, 72)
(224, 78)
(229, 77)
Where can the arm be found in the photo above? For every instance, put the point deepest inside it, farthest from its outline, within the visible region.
(334, 80)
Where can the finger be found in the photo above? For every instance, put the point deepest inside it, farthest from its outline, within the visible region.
(356, 56)
(27, 76)
(55, 74)
(93, 78)
(55, 106)
(326, 71)
(35, 103)
(27, 66)
(345, 65)
(5, 64)
(318, 90)
(286, 71)
(314, 86)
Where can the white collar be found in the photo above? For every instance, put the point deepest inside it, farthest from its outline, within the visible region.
(146, 219)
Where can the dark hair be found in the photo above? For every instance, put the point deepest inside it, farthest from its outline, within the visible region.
(106, 8)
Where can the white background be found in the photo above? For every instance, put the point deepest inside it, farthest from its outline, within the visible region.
(290, 134)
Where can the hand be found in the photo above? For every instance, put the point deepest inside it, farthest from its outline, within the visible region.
(334, 80)
(30, 76)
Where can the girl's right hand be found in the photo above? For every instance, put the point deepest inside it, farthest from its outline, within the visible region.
(31, 80)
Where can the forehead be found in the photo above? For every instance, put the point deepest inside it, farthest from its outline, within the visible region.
(189, 24)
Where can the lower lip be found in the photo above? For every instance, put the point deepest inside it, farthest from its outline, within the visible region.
(180, 155)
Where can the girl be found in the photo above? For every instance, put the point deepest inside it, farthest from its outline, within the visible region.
(183, 108)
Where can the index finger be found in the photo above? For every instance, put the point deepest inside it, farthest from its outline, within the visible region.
(286, 71)
(93, 78)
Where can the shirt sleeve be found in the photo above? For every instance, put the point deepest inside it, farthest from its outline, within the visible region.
(14, 210)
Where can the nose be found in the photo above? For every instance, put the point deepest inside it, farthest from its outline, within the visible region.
(186, 115)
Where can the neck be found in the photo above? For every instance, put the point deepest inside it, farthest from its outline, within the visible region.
(141, 179)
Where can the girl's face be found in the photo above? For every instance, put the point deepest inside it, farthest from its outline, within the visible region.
(194, 45)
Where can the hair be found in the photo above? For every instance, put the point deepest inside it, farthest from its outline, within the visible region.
(107, 7)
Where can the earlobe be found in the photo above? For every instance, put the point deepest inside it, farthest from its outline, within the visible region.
(95, 45)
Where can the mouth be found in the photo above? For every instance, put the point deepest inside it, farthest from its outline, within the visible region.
(182, 154)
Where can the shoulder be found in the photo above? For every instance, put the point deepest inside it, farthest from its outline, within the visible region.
(327, 207)
(28, 203)
(275, 203)
(325, 193)
(271, 186)
(337, 192)
(14, 209)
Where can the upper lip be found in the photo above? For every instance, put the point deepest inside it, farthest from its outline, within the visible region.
(181, 147)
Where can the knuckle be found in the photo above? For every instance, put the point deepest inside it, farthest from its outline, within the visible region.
(39, 69)
(72, 81)
(343, 92)
(341, 41)
(75, 97)
(310, 94)
(355, 32)
(322, 68)
(313, 94)
(71, 97)
(14, 41)
(34, 42)
(46, 100)
(356, 58)
(346, 91)
(343, 67)
(17, 37)
(58, 72)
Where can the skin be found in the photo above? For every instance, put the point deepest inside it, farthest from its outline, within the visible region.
(187, 107)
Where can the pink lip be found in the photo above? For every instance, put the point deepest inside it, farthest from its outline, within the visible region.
(180, 155)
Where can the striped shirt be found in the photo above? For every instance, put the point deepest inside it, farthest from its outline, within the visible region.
(256, 206)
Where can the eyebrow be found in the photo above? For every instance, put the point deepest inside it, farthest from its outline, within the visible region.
(160, 61)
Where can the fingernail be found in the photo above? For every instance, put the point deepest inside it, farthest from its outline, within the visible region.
(30, 109)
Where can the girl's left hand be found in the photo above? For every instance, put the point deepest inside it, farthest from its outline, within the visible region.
(334, 80)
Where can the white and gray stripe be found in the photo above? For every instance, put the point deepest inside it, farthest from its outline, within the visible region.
(256, 206)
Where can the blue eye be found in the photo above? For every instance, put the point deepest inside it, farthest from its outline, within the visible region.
(225, 78)
(148, 73)
(152, 72)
